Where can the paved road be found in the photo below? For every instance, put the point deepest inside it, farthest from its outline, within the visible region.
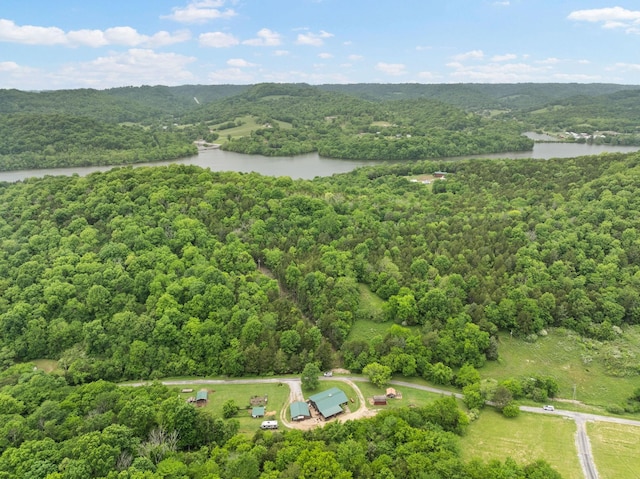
(583, 444)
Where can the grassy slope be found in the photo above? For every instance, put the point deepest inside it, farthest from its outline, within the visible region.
(567, 358)
(525, 439)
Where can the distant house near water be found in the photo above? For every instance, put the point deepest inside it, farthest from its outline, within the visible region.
(329, 403)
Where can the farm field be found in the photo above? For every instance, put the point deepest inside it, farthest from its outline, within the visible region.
(524, 439)
(616, 449)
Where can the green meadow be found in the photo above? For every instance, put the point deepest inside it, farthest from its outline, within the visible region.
(525, 439)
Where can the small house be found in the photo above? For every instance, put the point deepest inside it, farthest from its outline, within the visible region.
(440, 174)
(380, 400)
(391, 393)
(202, 398)
(257, 411)
(299, 411)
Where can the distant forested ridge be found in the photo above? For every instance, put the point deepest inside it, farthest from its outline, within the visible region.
(157, 272)
(362, 121)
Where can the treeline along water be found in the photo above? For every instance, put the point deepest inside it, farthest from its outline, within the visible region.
(311, 165)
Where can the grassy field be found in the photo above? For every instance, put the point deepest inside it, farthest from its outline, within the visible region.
(616, 450)
(47, 365)
(248, 124)
(525, 439)
(567, 358)
(277, 395)
(410, 397)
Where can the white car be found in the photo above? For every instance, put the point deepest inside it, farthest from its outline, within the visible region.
(548, 408)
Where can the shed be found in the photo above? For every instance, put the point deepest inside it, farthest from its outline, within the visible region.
(440, 174)
(257, 411)
(391, 393)
(329, 403)
(379, 400)
(299, 411)
(202, 397)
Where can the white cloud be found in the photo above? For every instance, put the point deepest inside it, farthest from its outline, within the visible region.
(281, 53)
(30, 34)
(127, 36)
(13, 75)
(628, 67)
(422, 48)
(313, 39)
(231, 75)
(426, 76)
(200, 12)
(218, 40)
(133, 67)
(504, 58)
(550, 61)
(471, 55)
(325, 55)
(499, 72)
(394, 69)
(355, 58)
(610, 17)
(265, 38)
(239, 63)
(502, 4)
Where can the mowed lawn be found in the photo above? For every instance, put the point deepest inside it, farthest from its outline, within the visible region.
(563, 356)
(616, 450)
(241, 393)
(525, 439)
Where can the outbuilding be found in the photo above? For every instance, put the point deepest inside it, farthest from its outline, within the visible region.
(299, 411)
(257, 411)
(202, 398)
(379, 400)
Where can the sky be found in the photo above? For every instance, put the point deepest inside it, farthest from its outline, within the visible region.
(68, 44)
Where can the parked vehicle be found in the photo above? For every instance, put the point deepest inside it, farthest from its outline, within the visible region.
(269, 425)
(328, 374)
(548, 408)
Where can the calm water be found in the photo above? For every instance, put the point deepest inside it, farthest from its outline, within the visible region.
(311, 165)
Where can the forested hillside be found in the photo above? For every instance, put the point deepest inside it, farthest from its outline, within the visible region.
(365, 121)
(38, 140)
(142, 273)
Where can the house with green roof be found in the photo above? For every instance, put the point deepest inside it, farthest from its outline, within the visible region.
(329, 403)
(299, 411)
(257, 411)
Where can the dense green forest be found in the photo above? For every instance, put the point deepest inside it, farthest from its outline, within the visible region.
(140, 273)
(363, 121)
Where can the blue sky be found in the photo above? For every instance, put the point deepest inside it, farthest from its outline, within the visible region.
(47, 44)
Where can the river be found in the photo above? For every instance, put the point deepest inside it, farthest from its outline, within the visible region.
(311, 165)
